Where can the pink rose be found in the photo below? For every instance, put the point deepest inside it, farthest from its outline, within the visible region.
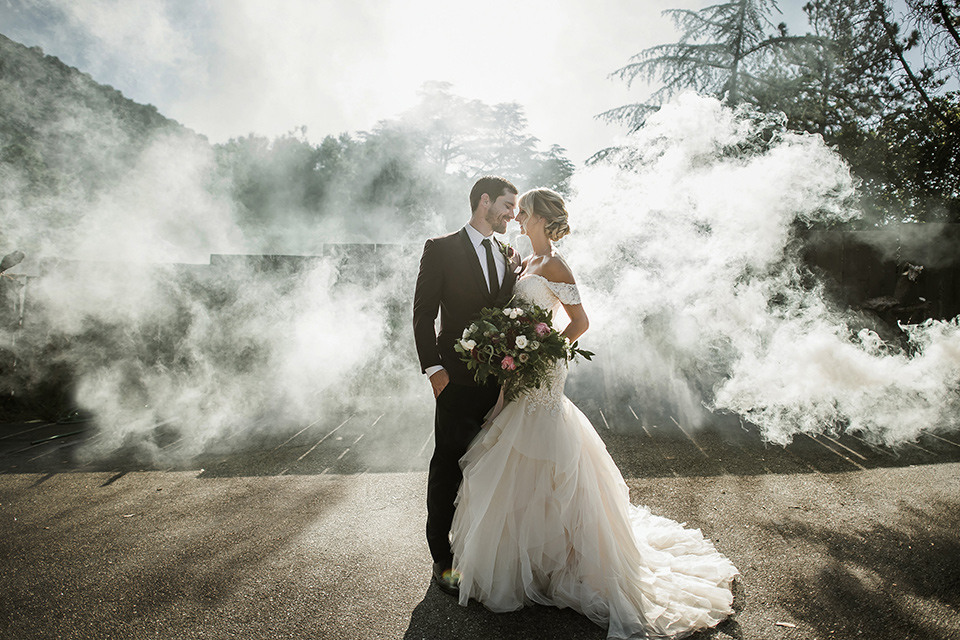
(507, 363)
(542, 329)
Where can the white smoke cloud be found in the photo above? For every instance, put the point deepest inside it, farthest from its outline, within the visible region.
(164, 210)
(156, 339)
(277, 349)
(699, 297)
(689, 270)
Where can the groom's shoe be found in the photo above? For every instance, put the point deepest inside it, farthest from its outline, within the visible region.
(446, 578)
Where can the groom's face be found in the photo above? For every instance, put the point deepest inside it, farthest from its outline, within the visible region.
(502, 211)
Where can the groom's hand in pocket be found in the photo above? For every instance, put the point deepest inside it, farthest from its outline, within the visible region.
(439, 381)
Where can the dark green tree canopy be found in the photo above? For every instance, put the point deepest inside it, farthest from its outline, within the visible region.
(876, 84)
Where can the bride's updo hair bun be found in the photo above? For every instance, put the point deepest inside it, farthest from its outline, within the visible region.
(549, 205)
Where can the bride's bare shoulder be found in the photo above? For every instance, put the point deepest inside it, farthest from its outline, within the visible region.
(556, 269)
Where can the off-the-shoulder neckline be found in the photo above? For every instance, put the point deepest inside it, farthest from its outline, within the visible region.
(537, 275)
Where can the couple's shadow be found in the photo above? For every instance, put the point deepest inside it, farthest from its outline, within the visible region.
(440, 617)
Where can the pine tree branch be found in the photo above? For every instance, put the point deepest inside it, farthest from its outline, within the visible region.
(897, 50)
(948, 21)
(787, 40)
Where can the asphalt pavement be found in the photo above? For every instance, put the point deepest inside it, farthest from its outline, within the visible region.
(316, 531)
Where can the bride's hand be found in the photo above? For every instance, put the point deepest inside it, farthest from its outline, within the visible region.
(521, 263)
(515, 262)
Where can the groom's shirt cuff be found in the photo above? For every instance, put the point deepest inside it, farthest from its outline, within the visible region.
(432, 370)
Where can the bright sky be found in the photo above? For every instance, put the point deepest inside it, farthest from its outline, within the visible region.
(226, 68)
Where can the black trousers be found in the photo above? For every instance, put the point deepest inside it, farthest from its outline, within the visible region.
(460, 412)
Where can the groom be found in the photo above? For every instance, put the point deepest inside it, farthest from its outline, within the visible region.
(460, 273)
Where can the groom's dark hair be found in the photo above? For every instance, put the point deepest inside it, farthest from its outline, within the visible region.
(493, 186)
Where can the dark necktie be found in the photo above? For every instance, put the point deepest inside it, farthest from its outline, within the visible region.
(492, 280)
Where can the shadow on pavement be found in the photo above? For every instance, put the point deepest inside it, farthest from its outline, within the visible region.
(892, 581)
(439, 617)
(155, 554)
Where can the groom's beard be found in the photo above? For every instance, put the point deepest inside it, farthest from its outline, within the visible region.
(497, 223)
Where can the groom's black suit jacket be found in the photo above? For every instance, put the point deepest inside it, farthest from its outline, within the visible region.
(452, 281)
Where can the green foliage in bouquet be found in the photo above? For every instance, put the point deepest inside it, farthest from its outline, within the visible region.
(517, 345)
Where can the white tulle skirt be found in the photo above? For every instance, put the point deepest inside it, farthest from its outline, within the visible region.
(544, 516)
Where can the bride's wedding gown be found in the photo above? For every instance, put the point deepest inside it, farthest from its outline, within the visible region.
(543, 515)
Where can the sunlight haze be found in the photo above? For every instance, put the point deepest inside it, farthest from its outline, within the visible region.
(226, 69)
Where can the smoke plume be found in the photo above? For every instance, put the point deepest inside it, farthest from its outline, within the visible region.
(701, 304)
(687, 256)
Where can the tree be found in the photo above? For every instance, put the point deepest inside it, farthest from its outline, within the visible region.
(724, 50)
(272, 178)
(854, 78)
(842, 77)
(938, 28)
(934, 32)
(469, 138)
(552, 169)
(910, 163)
(387, 183)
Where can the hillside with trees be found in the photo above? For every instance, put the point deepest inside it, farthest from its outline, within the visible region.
(65, 140)
(60, 129)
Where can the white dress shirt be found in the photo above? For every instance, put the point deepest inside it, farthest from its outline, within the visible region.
(476, 238)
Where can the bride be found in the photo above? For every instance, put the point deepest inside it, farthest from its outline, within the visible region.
(543, 514)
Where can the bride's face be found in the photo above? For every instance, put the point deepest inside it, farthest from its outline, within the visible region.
(522, 216)
(528, 220)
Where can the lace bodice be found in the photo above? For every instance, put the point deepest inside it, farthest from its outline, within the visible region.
(536, 289)
(550, 295)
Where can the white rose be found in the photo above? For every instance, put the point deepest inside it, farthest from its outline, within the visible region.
(469, 345)
(521, 342)
(466, 333)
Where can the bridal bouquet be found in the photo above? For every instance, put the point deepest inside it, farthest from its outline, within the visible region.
(518, 346)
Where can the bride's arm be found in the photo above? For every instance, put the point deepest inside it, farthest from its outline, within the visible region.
(579, 323)
(556, 270)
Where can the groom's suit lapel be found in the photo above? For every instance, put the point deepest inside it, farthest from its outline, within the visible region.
(474, 262)
(509, 276)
